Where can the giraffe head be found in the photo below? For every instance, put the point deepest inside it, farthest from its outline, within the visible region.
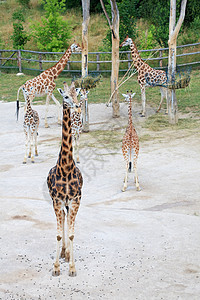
(67, 98)
(84, 94)
(75, 47)
(28, 91)
(128, 96)
(127, 42)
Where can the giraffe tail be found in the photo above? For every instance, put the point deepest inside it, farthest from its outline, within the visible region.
(130, 166)
(17, 102)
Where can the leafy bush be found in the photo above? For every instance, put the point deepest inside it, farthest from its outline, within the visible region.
(53, 33)
(19, 36)
(25, 3)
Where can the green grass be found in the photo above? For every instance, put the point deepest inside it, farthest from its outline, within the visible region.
(188, 99)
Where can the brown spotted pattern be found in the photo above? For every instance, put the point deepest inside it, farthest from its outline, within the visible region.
(31, 124)
(44, 83)
(147, 76)
(130, 145)
(65, 182)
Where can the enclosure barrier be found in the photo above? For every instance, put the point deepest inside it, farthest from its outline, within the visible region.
(99, 62)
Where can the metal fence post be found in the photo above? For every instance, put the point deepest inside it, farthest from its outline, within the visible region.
(40, 61)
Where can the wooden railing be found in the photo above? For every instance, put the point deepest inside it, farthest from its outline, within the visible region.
(98, 61)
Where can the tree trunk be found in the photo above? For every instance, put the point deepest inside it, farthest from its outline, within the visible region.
(86, 19)
(114, 27)
(115, 58)
(173, 34)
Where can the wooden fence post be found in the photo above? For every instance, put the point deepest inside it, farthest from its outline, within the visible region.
(160, 61)
(19, 61)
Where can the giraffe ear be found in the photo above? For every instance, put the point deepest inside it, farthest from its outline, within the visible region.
(87, 92)
(60, 91)
(133, 95)
(124, 95)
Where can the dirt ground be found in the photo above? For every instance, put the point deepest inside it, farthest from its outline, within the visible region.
(132, 245)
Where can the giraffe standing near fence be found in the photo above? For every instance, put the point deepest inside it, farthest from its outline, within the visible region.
(65, 183)
(45, 82)
(31, 124)
(147, 76)
(130, 144)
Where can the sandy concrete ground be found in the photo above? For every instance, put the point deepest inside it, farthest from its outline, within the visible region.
(132, 245)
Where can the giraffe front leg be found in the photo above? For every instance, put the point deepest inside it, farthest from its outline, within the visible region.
(31, 149)
(59, 218)
(143, 100)
(46, 125)
(59, 106)
(62, 254)
(70, 238)
(36, 150)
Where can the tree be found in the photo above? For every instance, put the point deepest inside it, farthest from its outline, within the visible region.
(86, 19)
(53, 33)
(114, 27)
(19, 36)
(173, 34)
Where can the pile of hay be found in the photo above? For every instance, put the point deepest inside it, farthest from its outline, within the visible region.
(87, 83)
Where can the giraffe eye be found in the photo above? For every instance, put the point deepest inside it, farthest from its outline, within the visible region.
(66, 97)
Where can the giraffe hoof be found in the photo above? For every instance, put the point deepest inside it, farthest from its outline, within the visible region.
(56, 273)
(138, 189)
(72, 272)
(32, 161)
(24, 162)
(46, 126)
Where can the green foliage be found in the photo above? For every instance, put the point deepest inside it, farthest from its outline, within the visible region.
(53, 33)
(25, 3)
(147, 40)
(127, 25)
(19, 36)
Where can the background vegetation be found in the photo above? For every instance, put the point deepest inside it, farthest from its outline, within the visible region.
(146, 21)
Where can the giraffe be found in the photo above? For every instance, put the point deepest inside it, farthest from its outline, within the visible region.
(147, 76)
(65, 182)
(31, 124)
(77, 122)
(44, 83)
(130, 144)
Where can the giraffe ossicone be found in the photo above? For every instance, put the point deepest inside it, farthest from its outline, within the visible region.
(147, 76)
(65, 183)
(44, 84)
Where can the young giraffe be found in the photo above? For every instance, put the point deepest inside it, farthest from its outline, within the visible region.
(65, 183)
(44, 83)
(77, 122)
(130, 144)
(147, 76)
(31, 124)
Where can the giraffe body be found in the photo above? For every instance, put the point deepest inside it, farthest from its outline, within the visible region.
(44, 83)
(130, 145)
(31, 124)
(65, 182)
(147, 76)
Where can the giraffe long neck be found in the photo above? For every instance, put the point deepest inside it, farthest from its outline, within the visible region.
(65, 159)
(138, 62)
(130, 111)
(60, 65)
(28, 104)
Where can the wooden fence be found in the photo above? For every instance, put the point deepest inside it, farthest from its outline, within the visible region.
(100, 62)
